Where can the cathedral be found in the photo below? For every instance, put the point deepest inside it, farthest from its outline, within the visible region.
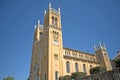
(50, 59)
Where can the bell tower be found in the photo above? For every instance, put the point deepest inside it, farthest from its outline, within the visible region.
(102, 56)
(52, 49)
(52, 17)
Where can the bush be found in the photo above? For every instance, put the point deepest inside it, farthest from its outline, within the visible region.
(77, 75)
(97, 70)
(74, 76)
(9, 78)
(61, 78)
(66, 77)
(117, 62)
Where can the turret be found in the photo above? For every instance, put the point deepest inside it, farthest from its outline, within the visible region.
(38, 32)
(52, 17)
(102, 56)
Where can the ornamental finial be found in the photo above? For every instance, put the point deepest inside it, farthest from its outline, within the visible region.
(44, 12)
(38, 22)
(49, 5)
(35, 26)
(59, 9)
(100, 45)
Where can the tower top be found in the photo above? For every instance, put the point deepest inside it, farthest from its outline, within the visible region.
(99, 46)
(38, 25)
(59, 9)
(38, 22)
(49, 5)
(50, 9)
(35, 26)
(44, 12)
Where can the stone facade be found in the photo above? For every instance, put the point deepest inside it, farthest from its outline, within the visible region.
(51, 60)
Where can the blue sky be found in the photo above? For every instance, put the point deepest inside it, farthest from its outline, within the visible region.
(84, 22)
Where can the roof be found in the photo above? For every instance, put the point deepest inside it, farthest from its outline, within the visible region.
(79, 51)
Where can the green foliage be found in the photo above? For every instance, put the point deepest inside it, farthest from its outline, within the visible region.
(77, 75)
(117, 62)
(66, 77)
(97, 70)
(73, 76)
(9, 78)
(28, 78)
(61, 78)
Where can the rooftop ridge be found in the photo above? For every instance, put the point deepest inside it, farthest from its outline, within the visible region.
(78, 51)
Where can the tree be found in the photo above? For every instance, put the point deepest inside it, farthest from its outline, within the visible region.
(28, 78)
(61, 78)
(97, 70)
(117, 62)
(77, 75)
(74, 76)
(66, 77)
(9, 78)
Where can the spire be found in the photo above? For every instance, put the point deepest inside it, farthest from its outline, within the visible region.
(35, 26)
(59, 9)
(104, 46)
(100, 45)
(94, 47)
(49, 5)
(44, 12)
(38, 22)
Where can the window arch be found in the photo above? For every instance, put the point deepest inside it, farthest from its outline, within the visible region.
(55, 37)
(76, 67)
(68, 67)
(84, 68)
(52, 20)
(55, 22)
(56, 75)
(90, 66)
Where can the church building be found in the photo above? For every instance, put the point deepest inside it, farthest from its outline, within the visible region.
(50, 59)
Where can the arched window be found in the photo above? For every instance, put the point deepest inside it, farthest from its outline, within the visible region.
(55, 22)
(45, 76)
(68, 67)
(84, 67)
(100, 58)
(52, 20)
(90, 66)
(76, 67)
(56, 75)
(40, 35)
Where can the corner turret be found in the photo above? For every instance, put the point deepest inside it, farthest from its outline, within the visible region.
(102, 56)
(38, 32)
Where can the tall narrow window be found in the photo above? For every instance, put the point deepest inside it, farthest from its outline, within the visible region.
(40, 35)
(55, 37)
(68, 67)
(76, 67)
(84, 67)
(56, 56)
(90, 66)
(56, 75)
(52, 20)
(100, 58)
(45, 77)
(55, 22)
